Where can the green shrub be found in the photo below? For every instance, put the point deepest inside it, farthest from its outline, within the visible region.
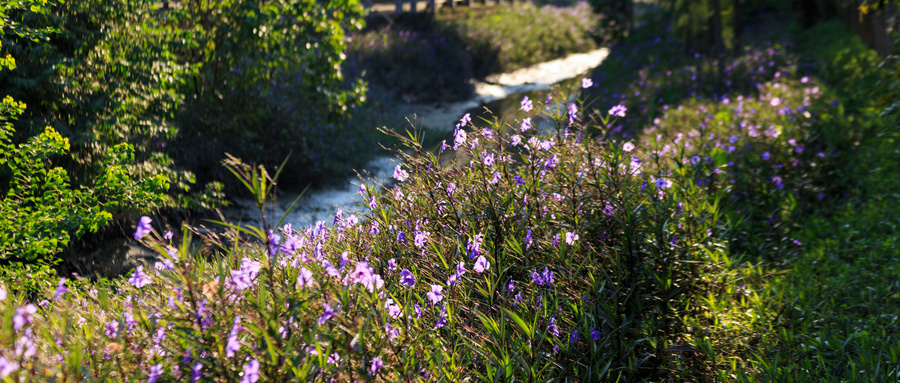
(40, 209)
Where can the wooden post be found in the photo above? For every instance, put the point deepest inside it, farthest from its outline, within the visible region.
(432, 4)
(399, 5)
(412, 6)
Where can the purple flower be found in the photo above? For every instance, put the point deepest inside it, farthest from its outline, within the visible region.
(364, 275)
(442, 319)
(407, 278)
(487, 132)
(465, 120)
(245, 277)
(545, 145)
(304, 278)
(628, 147)
(778, 182)
(551, 162)
(112, 329)
(481, 264)
(60, 289)
(473, 247)
(586, 83)
(460, 270)
(526, 105)
(233, 344)
(496, 178)
(251, 372)
(334, 359)
(552, 328)
(571, 238)
(23, 316)
(421, 238)
(528, 239)
(573, 113)
(489, 159)
(392, 309)
(344, 260)
(138, 278)
(662, 183)
(765, 156)
(7, 367)
(204, 315)
(515, 140)
(459, 138)
(595, 335)
(401, 237)
(574, 337)
(2, 293)
(400, 174)
(543, 279)
(391, 332)
(618, 110)
(549, 99)
(155, 373)
(435, 294)
(197, 372)
(328, 314)
(273, 240)
(143, 228)
(548, 277)
(695, 160)
(418, 310)
(392, 264)
(526, 124)
(26, 346)
(376, 365)
(168, 235)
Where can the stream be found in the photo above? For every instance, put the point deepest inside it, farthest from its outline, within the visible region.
(498, 90)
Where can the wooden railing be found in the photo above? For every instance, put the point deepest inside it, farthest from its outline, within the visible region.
(400, 6)
(873, 27)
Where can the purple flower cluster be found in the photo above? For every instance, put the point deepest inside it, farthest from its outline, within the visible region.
(543, 279)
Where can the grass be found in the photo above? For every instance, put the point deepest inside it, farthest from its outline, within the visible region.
(823, 311)
(839, 305)
(425, 59)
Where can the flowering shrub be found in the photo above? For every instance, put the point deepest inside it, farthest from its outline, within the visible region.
(529, 250)
(547, 257)
(771, 115)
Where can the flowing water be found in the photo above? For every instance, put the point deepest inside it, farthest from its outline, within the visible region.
(500, 94)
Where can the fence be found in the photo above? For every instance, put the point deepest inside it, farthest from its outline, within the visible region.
(400, 6)
(873, 27)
